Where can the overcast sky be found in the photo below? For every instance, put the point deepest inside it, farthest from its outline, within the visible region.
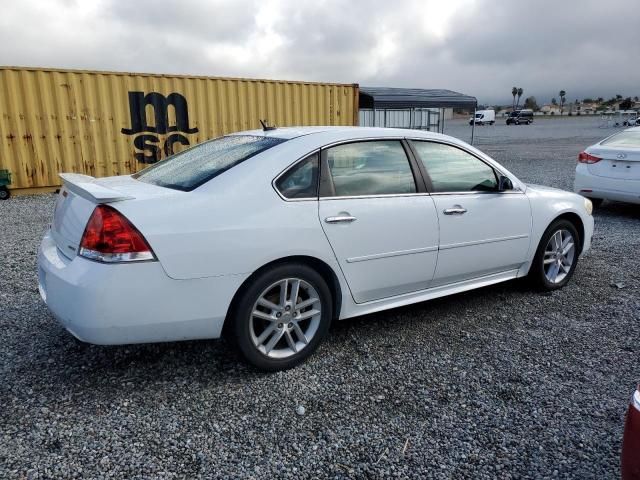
(478, 47)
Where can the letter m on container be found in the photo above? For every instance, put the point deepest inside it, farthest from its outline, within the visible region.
(148, 150)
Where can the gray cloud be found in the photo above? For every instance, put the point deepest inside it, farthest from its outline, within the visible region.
(475, 46)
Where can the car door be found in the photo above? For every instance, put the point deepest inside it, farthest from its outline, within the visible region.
(378, 218)
(482, 230)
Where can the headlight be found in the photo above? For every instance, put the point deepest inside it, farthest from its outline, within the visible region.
(588, 206)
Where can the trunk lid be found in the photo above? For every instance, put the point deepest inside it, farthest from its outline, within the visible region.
(616, 162)
(79, 196)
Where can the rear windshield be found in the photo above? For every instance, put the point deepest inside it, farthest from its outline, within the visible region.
(197, 165)
(624, 139)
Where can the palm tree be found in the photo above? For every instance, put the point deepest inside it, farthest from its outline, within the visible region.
(562, 95)
(520, 92)
(514, 92)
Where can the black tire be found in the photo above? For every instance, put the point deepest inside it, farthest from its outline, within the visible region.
(528, 122)
(241, 316)
(537, 275)
(4, 193)
(596, 201)
(491, 123)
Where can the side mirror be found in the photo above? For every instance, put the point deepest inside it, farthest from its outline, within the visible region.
(504, 183)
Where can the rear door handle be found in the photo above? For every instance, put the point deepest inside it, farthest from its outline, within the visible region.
(455, 210)
(340, 219)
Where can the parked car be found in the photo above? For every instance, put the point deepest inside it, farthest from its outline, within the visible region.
(610, 169)
(518, 117)
(273, 234)
(483, 117)
(630, 460)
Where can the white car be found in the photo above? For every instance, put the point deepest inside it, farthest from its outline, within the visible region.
(610, 169)
(273, 234)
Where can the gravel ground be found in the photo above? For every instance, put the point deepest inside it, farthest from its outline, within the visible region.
(499, 382)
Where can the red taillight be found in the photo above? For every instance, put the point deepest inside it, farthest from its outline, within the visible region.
(584, 157)
(110, 237)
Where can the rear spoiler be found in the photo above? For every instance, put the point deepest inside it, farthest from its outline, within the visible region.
(85, 186)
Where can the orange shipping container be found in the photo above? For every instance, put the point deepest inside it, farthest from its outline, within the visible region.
(106, 123)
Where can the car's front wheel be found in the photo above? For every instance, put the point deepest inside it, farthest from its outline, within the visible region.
(282, 316)
(556, 257)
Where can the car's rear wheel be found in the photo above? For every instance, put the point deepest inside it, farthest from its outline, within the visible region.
(4, 193)
(282, 316)
(556, 257)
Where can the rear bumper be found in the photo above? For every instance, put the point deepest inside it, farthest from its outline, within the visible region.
(630, 461)
(606, 188)
(130, 303)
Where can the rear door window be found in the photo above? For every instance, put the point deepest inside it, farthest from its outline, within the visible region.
(193, 167)
(378, 167)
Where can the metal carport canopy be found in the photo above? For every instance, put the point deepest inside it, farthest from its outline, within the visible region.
(386, 97)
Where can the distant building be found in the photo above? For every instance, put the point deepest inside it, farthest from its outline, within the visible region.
(588, 108)
(416, 108)
(550, 109)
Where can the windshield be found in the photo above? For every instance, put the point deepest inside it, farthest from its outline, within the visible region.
(624, 139)
(193, 167)
(514, 114)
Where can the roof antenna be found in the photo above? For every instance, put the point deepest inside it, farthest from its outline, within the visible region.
(265, 126)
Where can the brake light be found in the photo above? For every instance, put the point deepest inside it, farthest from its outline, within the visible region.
(585, 157)
(109, 237)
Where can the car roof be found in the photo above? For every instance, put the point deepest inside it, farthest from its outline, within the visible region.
(289, 133)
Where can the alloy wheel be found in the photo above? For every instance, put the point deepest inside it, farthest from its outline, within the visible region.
(285, 318)
(559, 256)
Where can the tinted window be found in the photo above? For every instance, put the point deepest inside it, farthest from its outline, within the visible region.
(624, 139)
(370, 168)
(195, 166)
(454, 170)
(301, 180)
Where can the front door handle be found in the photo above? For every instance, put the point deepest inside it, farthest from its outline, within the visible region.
(340, 219)
(455, 210)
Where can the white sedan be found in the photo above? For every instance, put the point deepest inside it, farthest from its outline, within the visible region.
(610, 169)
(273, 234)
